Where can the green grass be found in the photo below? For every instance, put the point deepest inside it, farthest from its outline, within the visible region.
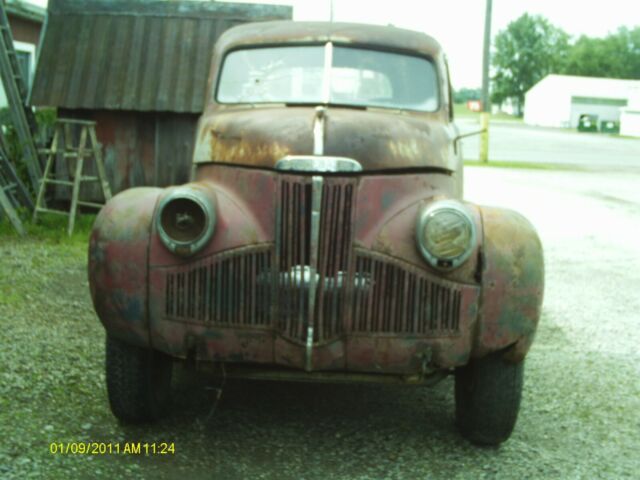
(50, 227)
(523, 165)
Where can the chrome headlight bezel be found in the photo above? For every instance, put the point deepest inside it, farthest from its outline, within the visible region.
(207, 206)
(427, 214)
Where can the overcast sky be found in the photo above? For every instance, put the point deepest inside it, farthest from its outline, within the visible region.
(458, 24)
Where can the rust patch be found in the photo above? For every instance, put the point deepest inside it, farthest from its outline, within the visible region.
(233, 149)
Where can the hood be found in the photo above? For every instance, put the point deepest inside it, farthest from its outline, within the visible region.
(378, 140)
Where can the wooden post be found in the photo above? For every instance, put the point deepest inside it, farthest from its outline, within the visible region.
(77, 179)
(486, 100)
(484, 137)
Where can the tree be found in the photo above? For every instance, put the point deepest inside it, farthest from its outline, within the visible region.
(465, 94)
(526, 51)
(615, 56)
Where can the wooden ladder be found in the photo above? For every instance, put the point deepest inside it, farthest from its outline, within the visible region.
(13, 192)
(16, 90)
(7, 202)
(62, 145)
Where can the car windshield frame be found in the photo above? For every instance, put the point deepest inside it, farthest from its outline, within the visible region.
(428, 84)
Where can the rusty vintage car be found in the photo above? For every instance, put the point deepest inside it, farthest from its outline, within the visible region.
(323, 235)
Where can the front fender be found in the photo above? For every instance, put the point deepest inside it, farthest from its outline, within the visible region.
(512, 284)
(118, 263)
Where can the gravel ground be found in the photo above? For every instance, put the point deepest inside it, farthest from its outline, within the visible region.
(579, 417)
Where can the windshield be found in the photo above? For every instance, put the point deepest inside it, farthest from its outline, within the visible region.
(328, 74)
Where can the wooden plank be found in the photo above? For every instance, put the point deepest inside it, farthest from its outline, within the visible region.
(47, 169)
(5, 206)
(58, 182)
(8, 172)
(48, 210)
(76, 180)
(97, 150)
(90, 204)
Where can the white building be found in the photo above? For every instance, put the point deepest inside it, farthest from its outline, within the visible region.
(560, 100)
(630, 119)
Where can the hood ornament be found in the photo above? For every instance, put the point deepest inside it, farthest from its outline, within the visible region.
(318, 130)
(318, 162)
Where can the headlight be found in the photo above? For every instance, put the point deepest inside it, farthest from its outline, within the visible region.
(445, 234)
(186, 220)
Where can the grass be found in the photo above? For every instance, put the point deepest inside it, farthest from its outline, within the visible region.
(520, 165)
(50, 227)
(460, 110)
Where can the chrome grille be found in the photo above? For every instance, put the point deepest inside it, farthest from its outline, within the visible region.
(334, 257)
(392, 298)
(294, 252)
(230, 289)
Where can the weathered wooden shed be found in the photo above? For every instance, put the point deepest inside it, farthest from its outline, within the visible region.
(139, 68)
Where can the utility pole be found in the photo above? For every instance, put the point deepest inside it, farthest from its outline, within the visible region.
(331, 11)
(486, 102)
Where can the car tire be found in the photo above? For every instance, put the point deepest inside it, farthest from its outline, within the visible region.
(138, 381)
(488, 392)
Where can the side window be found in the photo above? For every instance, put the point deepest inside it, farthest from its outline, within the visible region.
(24, 61)
(25, 56)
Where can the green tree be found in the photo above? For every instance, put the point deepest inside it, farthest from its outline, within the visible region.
(526, 51)
(615, 56)
(465, 94)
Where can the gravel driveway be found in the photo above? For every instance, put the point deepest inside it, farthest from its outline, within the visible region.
(580, 416)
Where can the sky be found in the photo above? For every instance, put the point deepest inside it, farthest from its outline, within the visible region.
(459, 24)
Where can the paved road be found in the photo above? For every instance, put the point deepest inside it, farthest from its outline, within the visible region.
(514, 141)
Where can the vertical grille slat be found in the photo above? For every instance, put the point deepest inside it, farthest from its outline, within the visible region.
(400, 300)
(230, 289)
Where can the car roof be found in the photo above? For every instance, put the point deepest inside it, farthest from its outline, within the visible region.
(279, 32)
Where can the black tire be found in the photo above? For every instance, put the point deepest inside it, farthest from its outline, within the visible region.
(488, 393)
(138, 381)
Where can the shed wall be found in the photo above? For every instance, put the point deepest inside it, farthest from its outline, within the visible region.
(24, 30)
(139, 149)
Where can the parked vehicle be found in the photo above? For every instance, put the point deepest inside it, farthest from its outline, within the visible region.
(323, 235)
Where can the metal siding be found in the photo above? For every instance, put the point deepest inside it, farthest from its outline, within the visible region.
(96, 65)
(201, 66)
(168, 72)
(183, 87)
(175, 135)
(149, 86)
(145, 56)
(134, 69)
(79, 73)
(116, 73)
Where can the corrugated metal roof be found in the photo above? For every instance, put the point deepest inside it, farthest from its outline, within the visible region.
(134, 55)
